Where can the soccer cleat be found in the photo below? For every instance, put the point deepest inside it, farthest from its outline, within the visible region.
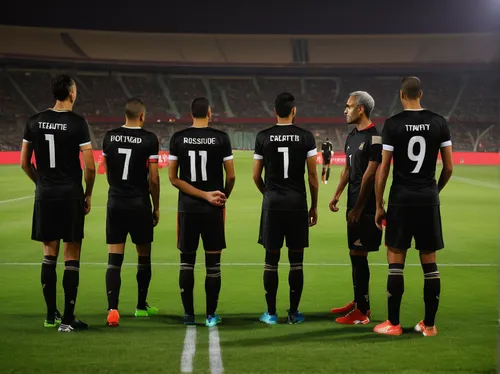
(295, 318)
(113, 318)
(51, 323)
(354, 318)
(345, 309)
(213, 320)
(426, 330)
(76, 325)
(387, 328)
(189, 320)
(148, 312)
(270, 319)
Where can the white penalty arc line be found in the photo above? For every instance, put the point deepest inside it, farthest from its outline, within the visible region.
(189, 350)
(216, 366)
(16, 199)
(243, 264)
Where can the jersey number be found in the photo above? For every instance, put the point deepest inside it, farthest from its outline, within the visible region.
(128, 153)
(418, 158)
(52, 150)
(286, 160)
(192, 162)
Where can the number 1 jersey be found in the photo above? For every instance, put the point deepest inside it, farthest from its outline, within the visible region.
(415, 138)
(284, 150)
(128, 151)
(200, 153)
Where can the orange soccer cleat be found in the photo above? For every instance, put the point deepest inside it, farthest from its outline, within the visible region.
(345, 309)
(353, 318)
(426, 330)
(387, 328)
(113, 318)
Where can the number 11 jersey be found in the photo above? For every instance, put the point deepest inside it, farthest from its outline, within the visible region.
(415, 138)
(200, 153)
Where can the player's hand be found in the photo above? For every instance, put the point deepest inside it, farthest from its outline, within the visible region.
(380, 218)
(353, 217)
(216, 198)
(87, 204)
(313, 216)
(156, 217)
(333, 204)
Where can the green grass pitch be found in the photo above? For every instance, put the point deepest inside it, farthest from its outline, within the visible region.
(467, 319)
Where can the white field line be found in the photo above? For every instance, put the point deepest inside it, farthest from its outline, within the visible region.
(214, 351)
(16, 199)
(250, 264)
(477, 183)
(189, 350)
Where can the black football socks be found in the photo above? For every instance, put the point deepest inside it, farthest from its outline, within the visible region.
(432, 289)
(395, 290)
(49, 285)
(212, 282)
(295, 279)
(143, 279)
(361, 273)
(113, 279)
(71, 280)
(186, 282)
(271, 280)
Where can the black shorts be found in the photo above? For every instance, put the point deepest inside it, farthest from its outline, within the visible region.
(365, 235)
(136, 222)
(326, 158)
(58, 220)
(278, 225)
(210, 226)
(420, 222)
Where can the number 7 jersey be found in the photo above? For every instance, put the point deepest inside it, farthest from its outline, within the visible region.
(415, 138)
(200, 153)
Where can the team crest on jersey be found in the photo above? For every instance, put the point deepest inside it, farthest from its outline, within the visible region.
(361, 146)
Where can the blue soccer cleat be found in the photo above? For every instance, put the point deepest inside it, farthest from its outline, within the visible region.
(213, 320)
(295, 318)
(270, 319)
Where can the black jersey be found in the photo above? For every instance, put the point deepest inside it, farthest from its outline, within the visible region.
(128, 151)
(284, 150)
(56, 137)
(327, 147)
(415, 138)
(200, 153)
(361, 147)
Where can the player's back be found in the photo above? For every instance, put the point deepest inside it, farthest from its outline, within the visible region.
(56, 137)
(284, 150)
(127, 151)
(415, 138)
(326, 147)
(200, 153)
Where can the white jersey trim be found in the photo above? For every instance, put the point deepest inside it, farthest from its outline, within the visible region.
(257, 157)
(312, 152)
(132, 128)
(387, 147)
(26, 141)
(172, 158)
(86, 143)
(154, 157)
(227, 158)
(446, 144)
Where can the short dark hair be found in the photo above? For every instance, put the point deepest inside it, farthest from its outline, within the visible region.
(411, 87)
(61, 86)
(284, 104)
(134, 107)
(199, 107)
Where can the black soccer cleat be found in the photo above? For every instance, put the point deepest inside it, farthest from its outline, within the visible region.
(76, 325)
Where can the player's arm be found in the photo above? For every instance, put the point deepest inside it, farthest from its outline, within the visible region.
(216, 198)
(89, 174)
(154, 188)
(446, 157)
(26, 165)
(344, 179)
(258, 167)
(312, 176)
(380, 183)
(230, 177)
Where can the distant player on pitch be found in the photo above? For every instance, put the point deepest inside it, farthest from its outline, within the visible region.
(131, 162)
(363, 149)
(413, 139)
(199, 155)
(283, 152)
(327, 151)
(58, 136)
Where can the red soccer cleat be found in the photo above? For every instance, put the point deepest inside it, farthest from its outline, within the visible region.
(426, 330)
(113, 318)
(345, 309)
(353, 318)
(387, 328)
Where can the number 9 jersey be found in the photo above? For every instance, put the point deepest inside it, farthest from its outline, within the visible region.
(415, 137)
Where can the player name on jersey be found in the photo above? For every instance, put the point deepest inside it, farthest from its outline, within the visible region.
(421, 127)
(125, 139)
(284, 138)
(52, 126)
(207, 141)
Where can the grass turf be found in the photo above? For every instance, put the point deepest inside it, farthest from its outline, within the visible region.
(467, 318)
